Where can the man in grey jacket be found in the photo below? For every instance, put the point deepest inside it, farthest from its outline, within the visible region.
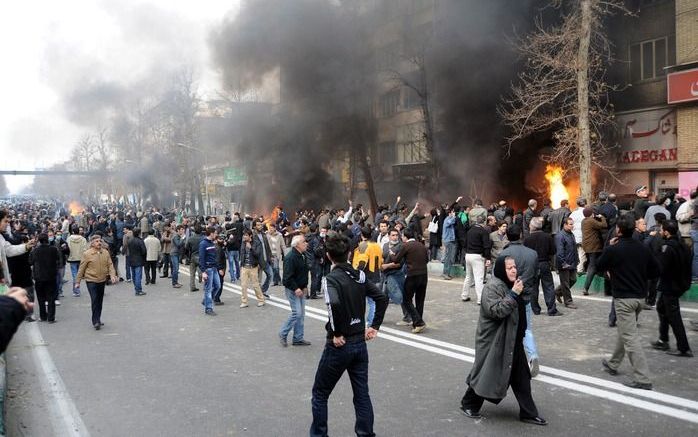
(527, 267)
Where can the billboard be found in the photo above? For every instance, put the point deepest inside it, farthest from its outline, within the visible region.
(682, 86)
(648, 138)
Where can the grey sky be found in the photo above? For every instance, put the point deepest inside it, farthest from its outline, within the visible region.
(62, 58)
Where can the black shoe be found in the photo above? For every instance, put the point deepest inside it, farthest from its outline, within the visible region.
(660, 345)
(686, 354)
(473, 414)
(301, 343)
(608, 368)
(193, 290)
(283, 341)
(314, 296)
(97, 326)
(556, 313)
(211, 313)
(52, 321)
(29, 319)
(585, 292)
(611, 324)
(141, 293)
(164, 276)
(534, 420)
(537, 313)
(640, 385)
(217, 303)
(266, 295)
(147, 282)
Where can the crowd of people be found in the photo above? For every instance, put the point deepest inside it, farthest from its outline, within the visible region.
(644, 253)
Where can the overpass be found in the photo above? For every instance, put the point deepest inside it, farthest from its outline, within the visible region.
(52, 172)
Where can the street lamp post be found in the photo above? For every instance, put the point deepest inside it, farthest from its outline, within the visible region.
(207, 206)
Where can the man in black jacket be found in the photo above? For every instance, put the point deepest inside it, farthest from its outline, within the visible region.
(345, 291)
(296, 284)
(192, 251)
(251, 260)
(137, 255)
(46, 262)
(675, 260)
(14, 307)
(630, 264)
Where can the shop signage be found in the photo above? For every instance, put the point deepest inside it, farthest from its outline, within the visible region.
(682, 86)
(648, 138)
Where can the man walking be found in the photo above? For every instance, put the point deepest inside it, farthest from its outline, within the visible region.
(152, 248)
(477, 258)
(192, 250)
(166, 251)
(137, 253)
(345, 292)
(675, 261)
(96, 267)
(265, 262)
(250, 260)
(208, 264)
(630, 265)
(45, 261)
(175, 253)
(416, 255)
(77, 245)
(544, 245)
(296, 284)
(566, 261)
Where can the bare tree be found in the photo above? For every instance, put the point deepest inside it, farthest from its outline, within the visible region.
(562, 88)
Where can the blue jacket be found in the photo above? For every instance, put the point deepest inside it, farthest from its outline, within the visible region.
(449, 232)
(566, 257)
(207, 255)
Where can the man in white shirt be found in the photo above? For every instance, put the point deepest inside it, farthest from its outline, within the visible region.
(578, 215)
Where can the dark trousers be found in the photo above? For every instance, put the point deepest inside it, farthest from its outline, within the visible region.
(415, 287)
(96, 290)
(544, 280)
(591, 269)
(217, 295)
(567, 281)
(46, 297)
(165, 265)
(669, 313)
(352, 358)
(520, 383)
(151, 269)
(651, 298)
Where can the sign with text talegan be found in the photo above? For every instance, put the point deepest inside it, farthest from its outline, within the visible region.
(648, 138)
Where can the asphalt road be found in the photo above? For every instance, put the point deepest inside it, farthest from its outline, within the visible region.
(159, 367)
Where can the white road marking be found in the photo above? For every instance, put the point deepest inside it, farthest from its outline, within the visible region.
(630, 396)
(63, 413)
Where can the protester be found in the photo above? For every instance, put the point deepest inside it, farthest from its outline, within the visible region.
(295, 283)
(45, 260)
(96, 267)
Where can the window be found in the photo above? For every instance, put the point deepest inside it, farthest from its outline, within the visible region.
(648, 58)
(411, 144)
(388, 103)
(411, 99)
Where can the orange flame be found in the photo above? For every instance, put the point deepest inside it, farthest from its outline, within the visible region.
(75, 207)
(273, 217)
(558, 191)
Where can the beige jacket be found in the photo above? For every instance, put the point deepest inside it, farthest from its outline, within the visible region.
(152, 248)
(96, 266)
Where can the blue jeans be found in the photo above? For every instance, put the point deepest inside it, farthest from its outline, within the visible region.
(137, 275)
(174, 263)
(296, 320)
(449, 257)
(352, 357)
(234, 265)
(59, 282)
(268, 274)
(275, 271)
(371, 307)
(211, 286)
(694, 237)
(529, 341)
(74, 267)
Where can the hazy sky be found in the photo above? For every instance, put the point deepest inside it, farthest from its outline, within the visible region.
(52, 48)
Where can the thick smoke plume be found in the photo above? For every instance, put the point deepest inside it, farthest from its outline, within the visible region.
(325, 53)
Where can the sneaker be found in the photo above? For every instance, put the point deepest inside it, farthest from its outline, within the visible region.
(58, 303)
(76, 294)
(97, 326)
(556, 313)
(404, 323)
(176, 285)
(141, 293)
(647, 307)
(419, 329)
(639, 385)
(29, 319)
(685, 354)
(283, 341)
(266, 295)
(571, 306)
(660, 345)
(211, 313)
(243, 305)
(301, 343)
(534, 367)
(608, 368)
(128, 280)
(260, 304)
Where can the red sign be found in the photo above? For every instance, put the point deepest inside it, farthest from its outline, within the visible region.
(682, 86)
(649, 156)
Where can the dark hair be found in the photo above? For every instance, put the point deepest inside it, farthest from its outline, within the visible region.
(136, 232)
(43, 238)
(179, 227)
(671, 226)
(313, 227)
(391, 230)
(337, 247)
(408, 233)
(209, 230)
(659, 218)
(366, 232)
(626, 224)
(151, 232)
(247, 232)
(3, 213)
(514, 232)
